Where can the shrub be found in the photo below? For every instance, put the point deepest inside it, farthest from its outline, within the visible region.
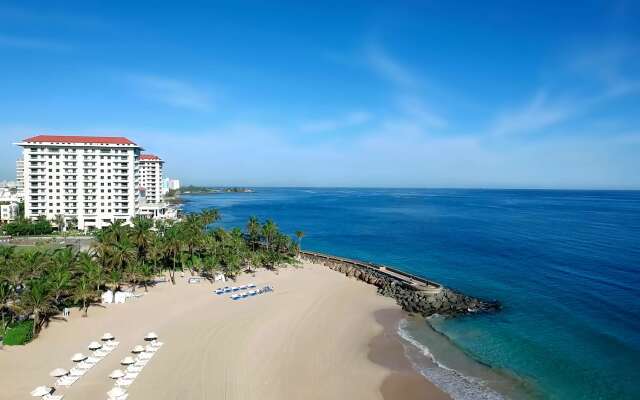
(19, 333)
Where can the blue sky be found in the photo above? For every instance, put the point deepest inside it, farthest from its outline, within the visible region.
(392, 94)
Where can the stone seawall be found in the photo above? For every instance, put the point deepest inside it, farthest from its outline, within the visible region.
(413, 294)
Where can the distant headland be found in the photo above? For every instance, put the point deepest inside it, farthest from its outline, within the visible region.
(173, 196)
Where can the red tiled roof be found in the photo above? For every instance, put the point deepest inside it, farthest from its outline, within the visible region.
(79, 139)
(149, 157)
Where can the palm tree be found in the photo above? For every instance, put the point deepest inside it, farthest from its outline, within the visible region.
(37, 300)
(209, 216)
(91, 270)
(173, 246)
(60, 222)
(146, 272)
(114, 279)
(269, 232)
(122, 253)
(59, 280)
(141, 233)
(84, 293)
(253, 229)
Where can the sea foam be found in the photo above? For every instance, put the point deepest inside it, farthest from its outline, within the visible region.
(452, 382)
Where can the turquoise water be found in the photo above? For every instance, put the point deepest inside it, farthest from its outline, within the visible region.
(565, 264)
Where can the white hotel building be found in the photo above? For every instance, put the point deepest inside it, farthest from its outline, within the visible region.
(92, 179)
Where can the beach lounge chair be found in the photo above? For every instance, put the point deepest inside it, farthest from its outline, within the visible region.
(251, 285)
(244, 294)
(52, 396)
(227, 289)
(131, 375)
(134, 368)
(124, 382)
(243, 287)
(219, 291)
(234, 288)
(235, 296)
(77, 372)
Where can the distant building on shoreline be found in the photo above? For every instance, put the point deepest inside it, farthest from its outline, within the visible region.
(8, 202)
(94, 180)
(174, 184)
(20, 177)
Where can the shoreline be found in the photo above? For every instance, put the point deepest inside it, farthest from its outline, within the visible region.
(319, 335)
(387, 350)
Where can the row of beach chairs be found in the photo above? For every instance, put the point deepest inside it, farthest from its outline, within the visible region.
(123, 379)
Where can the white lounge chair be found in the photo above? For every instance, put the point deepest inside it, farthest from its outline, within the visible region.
(124, 382)
(52, 396)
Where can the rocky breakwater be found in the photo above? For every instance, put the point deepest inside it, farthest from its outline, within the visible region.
(413, 294)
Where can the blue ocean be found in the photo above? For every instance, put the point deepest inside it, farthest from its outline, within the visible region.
(565, 265)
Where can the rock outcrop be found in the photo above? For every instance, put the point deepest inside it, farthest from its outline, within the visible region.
(442, 301)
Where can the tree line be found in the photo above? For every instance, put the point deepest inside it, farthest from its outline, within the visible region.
(37, 284)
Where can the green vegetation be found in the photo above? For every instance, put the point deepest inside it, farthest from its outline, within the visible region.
(24, 227)
(19, 334)
(37, 283)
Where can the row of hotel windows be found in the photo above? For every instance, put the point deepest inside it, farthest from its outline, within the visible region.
(57, 157)
(73, 150)
(74, 211)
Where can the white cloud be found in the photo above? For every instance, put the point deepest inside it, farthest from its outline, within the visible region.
(172, 92)
(389, 68)
(31, 43)
(350, 120)
(537, 114)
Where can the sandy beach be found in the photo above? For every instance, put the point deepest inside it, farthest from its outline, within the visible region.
(319, 335)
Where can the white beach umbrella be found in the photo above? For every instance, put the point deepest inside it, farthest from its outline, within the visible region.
(94, 346)
(151, 336)
(137, 349)
(78, 357)
(116, 373)
(58, 372)
(127, 361)
(41, 391)
(108, 336)
(116, 392)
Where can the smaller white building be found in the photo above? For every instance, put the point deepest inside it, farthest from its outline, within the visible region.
(8, 204)
(174, 184)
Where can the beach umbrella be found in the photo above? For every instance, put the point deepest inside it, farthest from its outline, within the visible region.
(137, 349)
(116, 373)
(78, 357)
(108, 336)
(151, 336)
(116, 392)
(127, 361)
(58, 372)
(41, 391)
(94, 346)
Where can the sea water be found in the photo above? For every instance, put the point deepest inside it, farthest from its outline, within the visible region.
(565, 265)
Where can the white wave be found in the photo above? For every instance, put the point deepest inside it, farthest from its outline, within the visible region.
(454, 383)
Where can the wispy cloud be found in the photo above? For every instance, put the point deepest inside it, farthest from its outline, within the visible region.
(416, 109)
(172, 92)
(30, 43)
(537, 114)
(389, 68)
(350, 120)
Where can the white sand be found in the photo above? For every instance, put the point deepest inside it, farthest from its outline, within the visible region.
(309, 339)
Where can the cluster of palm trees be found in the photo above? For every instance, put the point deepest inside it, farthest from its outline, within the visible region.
(40, 283)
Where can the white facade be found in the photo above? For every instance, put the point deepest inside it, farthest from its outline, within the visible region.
(8, 203)
(20, 176)
(174, 184)
(151, 178)
(92, 179)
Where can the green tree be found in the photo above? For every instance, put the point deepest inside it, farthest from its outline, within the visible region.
(84, 293)
(37, 300)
